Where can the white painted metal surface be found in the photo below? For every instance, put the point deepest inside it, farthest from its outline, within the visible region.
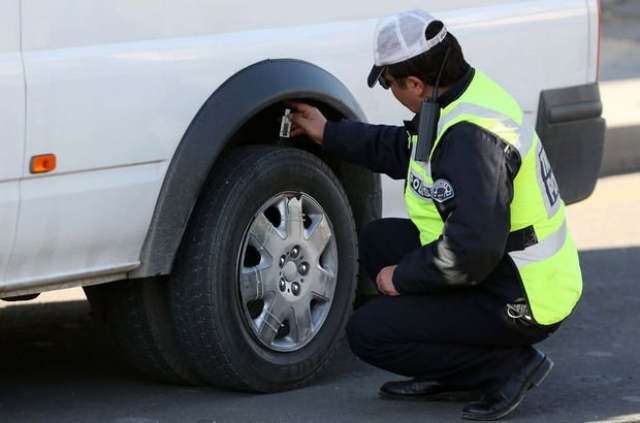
(12, 97)
(112, 86)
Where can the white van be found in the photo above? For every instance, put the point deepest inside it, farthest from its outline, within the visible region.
(141, 160)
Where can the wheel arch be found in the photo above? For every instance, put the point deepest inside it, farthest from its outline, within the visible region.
(217, 124)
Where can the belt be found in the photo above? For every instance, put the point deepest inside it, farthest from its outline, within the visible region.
(521, 239)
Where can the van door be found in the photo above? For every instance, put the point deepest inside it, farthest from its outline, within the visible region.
(12, 109)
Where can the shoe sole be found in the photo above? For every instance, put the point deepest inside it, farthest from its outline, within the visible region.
(541, 372)
(536, 378)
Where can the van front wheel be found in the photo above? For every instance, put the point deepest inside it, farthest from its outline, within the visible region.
(265, 281)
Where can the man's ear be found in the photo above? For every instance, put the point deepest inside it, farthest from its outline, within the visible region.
(418, 87)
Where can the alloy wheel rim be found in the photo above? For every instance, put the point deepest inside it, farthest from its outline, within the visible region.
(287, 271)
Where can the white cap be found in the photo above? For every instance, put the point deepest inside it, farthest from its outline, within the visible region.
(400, 37)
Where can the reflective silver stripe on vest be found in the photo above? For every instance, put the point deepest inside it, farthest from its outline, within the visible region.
(526, 132)
(547, 182)
(542, 250)
(546, 179)
(424, 165)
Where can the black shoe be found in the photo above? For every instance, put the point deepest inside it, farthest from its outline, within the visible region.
(498, 404)
(423, 390)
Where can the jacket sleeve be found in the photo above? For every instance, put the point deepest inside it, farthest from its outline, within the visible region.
(380, 148)
(476, 218)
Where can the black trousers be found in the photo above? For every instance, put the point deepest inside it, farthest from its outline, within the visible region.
(462, 338)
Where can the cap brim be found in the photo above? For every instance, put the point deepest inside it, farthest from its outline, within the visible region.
(375, 73)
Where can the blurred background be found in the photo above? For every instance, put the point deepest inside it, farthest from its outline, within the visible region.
(620, 84)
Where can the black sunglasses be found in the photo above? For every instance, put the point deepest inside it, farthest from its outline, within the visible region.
(384, 83)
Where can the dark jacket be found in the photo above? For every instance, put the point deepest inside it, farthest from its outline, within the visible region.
(472, 248)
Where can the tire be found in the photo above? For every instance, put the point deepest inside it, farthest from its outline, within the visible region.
(257, 305)
(137, 313)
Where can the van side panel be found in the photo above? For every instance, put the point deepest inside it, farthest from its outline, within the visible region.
(113, 86)
(12, 107)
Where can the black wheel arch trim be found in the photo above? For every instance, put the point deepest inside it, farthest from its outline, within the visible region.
(238, 99)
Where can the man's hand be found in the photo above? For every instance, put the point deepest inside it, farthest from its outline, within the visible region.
(384, 280)
(306, 120)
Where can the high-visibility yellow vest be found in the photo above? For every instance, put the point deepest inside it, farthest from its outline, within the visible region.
(549, 269)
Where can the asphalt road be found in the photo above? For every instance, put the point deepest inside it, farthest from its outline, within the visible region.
(58, 365)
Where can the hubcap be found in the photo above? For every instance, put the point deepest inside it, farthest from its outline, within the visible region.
(290, 271)
(287, 271)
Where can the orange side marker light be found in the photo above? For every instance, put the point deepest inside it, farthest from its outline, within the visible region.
(42, 164)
